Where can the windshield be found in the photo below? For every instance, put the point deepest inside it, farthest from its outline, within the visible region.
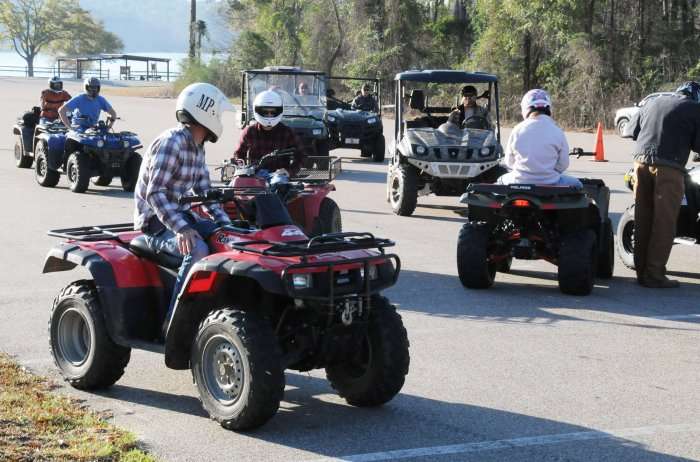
(300, 92)
(440, 98)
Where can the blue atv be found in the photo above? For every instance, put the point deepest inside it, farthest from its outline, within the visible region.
(95, 152)
(35, 137)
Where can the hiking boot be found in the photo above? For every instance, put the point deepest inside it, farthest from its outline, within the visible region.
(664, 283)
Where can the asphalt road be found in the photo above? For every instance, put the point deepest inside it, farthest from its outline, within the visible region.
(517, 372)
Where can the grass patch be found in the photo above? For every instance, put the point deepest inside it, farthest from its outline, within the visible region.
(37, 424)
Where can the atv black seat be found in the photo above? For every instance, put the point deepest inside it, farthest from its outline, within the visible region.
(270, 211)
(529, 189)
(140, 248)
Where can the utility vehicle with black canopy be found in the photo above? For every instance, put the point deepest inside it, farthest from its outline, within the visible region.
(267, 298)
(304, 114)
(355, 127)
(426, 160)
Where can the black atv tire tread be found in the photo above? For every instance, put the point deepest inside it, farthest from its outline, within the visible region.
(52, 176)
(109, 359)
(378, 148)
(22, 160)
(326, 221)
(409, 197)
(473, 267)
(131, 176)
(388, 374)
(577, 262)
(265, 362)
(82, 181)
(626, 257)
(102, 180)
(606, 254)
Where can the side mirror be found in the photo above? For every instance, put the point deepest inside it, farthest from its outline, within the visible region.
(243, 119)
(485, 94)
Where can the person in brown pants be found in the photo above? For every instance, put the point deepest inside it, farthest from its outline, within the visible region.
(658, 192)
(666, 129)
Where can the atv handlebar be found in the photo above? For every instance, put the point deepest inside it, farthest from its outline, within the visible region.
(579, 152)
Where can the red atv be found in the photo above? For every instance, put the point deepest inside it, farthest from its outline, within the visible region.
(267, 299)
(305, 193)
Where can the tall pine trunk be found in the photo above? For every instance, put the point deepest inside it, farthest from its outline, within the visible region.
(193, 27)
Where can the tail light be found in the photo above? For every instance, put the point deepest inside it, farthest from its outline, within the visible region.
(201, 281)
(521, 203)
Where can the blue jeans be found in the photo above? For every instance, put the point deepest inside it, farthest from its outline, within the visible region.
(165, 241)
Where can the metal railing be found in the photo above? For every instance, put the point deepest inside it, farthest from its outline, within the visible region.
(23, 71)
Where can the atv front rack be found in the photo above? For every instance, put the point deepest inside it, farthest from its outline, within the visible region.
(93, 233)
(319, 169)
(329, 285)
(332, 242)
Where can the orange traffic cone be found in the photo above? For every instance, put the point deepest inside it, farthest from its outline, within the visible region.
(599, 149)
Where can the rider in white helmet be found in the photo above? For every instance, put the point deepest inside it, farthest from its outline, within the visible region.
(269, 133)
(537, 151)
(174, 166)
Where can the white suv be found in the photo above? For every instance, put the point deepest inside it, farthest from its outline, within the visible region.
(624, 115)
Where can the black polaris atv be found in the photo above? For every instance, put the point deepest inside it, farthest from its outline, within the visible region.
(566, 226)
(354, 127)
(687, 227)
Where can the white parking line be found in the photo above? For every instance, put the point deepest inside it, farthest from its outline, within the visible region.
(671, 317)
(512, 443)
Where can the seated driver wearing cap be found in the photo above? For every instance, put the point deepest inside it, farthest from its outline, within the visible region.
(269, 133)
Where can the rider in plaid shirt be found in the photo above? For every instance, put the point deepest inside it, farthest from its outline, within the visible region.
(268, 134)
(173, 167)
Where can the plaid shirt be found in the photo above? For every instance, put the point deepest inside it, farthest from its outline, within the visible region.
(173, 166)
(256, 142)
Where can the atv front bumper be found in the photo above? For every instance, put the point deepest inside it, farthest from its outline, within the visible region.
(456, 170)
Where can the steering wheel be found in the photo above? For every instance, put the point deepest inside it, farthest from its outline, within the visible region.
(476, 121)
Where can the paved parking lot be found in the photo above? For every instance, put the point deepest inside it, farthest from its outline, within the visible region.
(517, 372)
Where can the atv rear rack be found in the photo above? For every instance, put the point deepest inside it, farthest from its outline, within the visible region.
(93, 233)
(333, 242)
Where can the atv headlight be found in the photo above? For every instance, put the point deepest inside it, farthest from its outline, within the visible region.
(126, 143)
(100, 143)
(301, 281)
(420, 149)
(372, 120)
(373, 273)
(331, 118)
(485, 151)
(317, 131)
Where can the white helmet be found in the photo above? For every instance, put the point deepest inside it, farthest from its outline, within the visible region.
(268, 108)
(203, 104)
(535, 99)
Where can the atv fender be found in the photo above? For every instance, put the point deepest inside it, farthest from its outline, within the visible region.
(128, 287)
(212, 282)
(25, 135)
(55, 144)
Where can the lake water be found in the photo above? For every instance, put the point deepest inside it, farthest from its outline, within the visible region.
(45, 65)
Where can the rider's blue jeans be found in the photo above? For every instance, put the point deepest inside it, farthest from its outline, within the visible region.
(166, 241)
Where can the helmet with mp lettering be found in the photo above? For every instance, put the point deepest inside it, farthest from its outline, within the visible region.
(268, 108)
(202, 104)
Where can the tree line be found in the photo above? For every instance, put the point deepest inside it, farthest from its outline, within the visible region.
(591, 55)
(55, 27)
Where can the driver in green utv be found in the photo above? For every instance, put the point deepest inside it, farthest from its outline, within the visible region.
(470, 112)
